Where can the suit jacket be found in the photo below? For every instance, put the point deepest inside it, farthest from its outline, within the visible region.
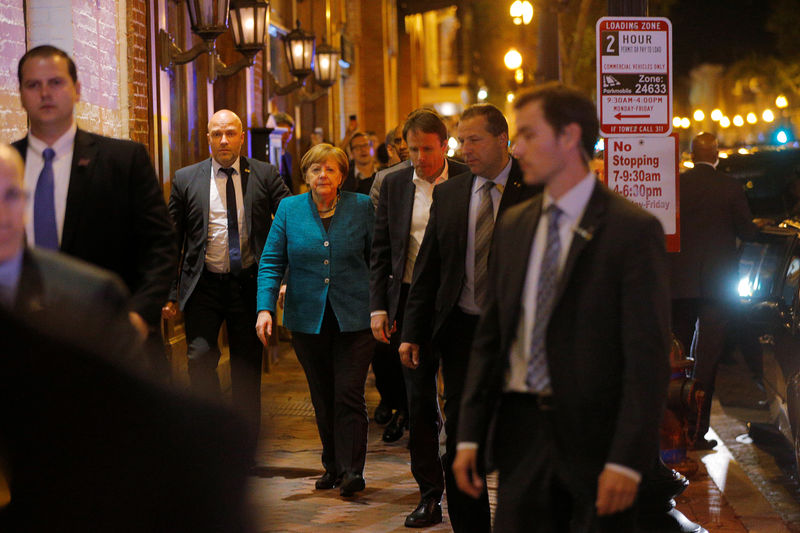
(440, 268)
(375, 188)
(390, 241)
(75, 302)
(116, 218)
(354, 184)
(189, 205)
(323, 265)
(713, 214)
(67, 416)
(607, 340)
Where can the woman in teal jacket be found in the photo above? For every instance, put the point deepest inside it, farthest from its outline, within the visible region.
(323, 237)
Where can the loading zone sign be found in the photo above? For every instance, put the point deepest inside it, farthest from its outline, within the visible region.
(634, 76)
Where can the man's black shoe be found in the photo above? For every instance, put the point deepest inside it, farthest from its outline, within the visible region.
(383, 413)
(703, 444)
(394, 429)
(327, 481)
(427, 513)
(351, 483)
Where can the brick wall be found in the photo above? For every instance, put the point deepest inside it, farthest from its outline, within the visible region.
(95, 52)
(138, 87)
(350, 86)
(12, 47)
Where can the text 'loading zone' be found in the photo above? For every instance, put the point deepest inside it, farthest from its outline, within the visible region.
(634, 82)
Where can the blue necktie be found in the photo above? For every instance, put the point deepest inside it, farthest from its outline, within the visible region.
(45, 230)
(234, 249)
(538, 377)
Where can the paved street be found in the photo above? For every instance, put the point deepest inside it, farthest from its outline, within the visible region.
(721, 497)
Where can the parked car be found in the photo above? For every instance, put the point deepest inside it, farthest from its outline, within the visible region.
(769, 283)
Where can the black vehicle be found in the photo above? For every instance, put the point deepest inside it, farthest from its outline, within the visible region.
(769, 277)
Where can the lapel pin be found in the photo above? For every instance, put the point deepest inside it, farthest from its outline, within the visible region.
(83, 162)
(586, 234)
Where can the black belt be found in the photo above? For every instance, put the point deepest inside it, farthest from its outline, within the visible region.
(543, 402)
(227, 276)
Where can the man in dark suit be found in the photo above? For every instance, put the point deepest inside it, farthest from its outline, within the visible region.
(222, 209)
(571, 353)
(71, 300)
(403, 208)
(714, 213)
(94, 198)
(449, 285)
(105, 450)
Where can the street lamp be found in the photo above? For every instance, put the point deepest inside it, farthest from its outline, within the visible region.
(521, 12)
(781, 102)
(209, 20)
(513, 59)
(299, 46)
(249, 23)
(326, 65)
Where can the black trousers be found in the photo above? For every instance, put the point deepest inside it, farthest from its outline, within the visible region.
(424, 418)
(454, 343)
(700, 326)
(389, 373)
(217, 298)
(533, 493)
(336, 365)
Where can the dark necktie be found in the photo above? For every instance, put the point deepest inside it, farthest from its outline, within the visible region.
(538, 376)
(484, 226)
(234, 249)
(45, 230)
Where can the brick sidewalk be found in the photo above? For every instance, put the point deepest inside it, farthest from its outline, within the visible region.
(283, 497)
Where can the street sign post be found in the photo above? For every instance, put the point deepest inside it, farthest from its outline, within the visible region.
(634, 76)
(644, 170)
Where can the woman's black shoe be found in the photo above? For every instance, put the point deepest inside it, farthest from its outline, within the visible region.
(327, 481)
(394, 429)
(383, 413)
(351, 483)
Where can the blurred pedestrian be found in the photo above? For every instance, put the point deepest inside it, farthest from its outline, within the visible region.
(285, 121)
(362, 166)
(323, 237)
(398, 159)
(570, 359)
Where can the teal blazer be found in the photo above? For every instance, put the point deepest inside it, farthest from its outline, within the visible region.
(332, 265)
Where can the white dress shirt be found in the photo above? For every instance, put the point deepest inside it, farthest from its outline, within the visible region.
(62, 168)
(572, 205)
(217, 254)
(421, 212)
(467, 299)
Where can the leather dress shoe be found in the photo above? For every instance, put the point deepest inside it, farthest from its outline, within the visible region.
(351, 483)
(395, 427)
(328, 481)
(383, 413)
(704, 444)
(427, 513)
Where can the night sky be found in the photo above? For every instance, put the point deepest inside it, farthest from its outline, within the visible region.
(718, 31)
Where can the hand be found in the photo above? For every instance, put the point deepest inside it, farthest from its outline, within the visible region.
(615, 492)
(264, 326)
(282, 296)
(139, 325)
(169, 311)
(465, 470)
(380, 328)
(409, 355)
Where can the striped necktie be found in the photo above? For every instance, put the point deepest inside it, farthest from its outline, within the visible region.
(484, 226)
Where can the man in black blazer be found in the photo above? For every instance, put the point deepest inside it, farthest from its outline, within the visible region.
(93, 197)
(222, 209)
(400, 222)
(714, 213)
(570, 357)
(447, 292)
(71, 300)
